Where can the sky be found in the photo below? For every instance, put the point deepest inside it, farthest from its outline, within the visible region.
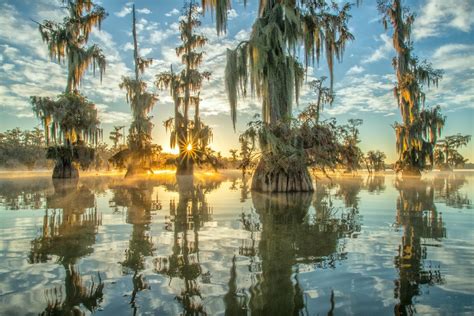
(364, 80)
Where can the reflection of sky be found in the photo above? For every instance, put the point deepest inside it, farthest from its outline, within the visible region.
(363, 283)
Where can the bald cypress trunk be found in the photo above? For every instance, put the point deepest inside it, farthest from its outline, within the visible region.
(65, 169)
(185, 166)
(296, 180)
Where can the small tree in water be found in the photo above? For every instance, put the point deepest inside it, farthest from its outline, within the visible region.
(446, 151)
(268, 63)
(139, 153)
(70, 121)
(350, 153)
(420, 127)
(192, 137)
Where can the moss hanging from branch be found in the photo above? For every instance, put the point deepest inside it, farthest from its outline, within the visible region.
(417, 134)
(140, 149)
(70, 121)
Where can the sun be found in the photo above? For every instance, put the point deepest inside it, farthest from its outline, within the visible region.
(189, 147)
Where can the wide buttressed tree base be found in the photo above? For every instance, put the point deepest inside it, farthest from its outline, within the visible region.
(281, 181)
(268, 64)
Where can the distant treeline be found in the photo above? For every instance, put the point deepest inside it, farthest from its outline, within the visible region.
(23, 149)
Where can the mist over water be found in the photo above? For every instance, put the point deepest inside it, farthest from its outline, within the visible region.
(363, 245)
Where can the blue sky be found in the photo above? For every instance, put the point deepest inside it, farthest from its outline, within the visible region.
(363, 81)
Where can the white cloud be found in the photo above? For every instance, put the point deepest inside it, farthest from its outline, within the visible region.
(243, 35)
(355, 70)
(127, 46)
(382, 52)
(173, 12)
(126, 10)
(111, 117)
(144, 11)
(367, 93)
(145, 51)
(437, 16)
(455, 89)
(232, 14)
(455, 57)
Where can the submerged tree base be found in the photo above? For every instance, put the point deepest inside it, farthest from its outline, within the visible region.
(65, 169)
(185, 168)
(411, 172)
(297, 180)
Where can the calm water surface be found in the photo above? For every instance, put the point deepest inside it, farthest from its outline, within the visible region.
(364, 245)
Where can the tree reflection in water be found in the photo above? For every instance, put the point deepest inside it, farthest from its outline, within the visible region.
(187, 217)
(447, 190)
(69, 235)
(19, 194)
(417, 214)
(138, 199)
(290, 239)
(375, 183)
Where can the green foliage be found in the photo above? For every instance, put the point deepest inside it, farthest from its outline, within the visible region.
(350, 155)
(375, 160)
(446, 150)
(79, 153)
(69, 119)
(248, 153)
(22, 148)
(116, 136)
(268, 60)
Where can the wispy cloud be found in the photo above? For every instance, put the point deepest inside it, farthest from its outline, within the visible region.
(455, 89)
(355, 70)
(437, 16)
(232, 14)
(367, 93)
(144, 11)
(126, 10)
(382, 52)
(172, 12)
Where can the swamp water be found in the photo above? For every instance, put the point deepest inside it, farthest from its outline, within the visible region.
(365, 245)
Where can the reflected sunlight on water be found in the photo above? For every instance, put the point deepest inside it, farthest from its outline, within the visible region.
(358, 245)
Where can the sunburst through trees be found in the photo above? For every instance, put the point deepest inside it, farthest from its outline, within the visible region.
(191, 136)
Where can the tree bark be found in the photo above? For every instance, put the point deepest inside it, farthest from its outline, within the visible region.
(297, 180)
(65, 169)
(185, 166)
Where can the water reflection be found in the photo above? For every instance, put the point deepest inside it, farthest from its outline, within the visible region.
(140, 204)
(448, 190)
(290, 239)
(187, 216)
(69, 227)
(247, 254)
(19, 194)
(375, 184)
(420, 221)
